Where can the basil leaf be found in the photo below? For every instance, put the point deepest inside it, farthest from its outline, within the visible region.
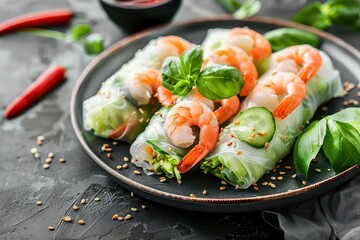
(79, 31)
(94, 43)
(347, 115)
(285, 37)
(308, 145)
(341, 145)
(173, 77)
(248, 9)
(342, 12)
(191, 61)
(219, 82)
(312, 15)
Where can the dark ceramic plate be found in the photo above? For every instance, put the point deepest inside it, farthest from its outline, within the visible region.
(287, 191)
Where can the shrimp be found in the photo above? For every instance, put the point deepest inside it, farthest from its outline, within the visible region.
(239, 59)
(305, 57)
(228, 107)
(178, 126)
(145, 83)
(171, 46)
(269, 92)
(251, 42)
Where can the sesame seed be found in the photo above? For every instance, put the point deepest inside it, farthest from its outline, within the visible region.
(62, 160)
(97, 199)
(143, 207)
(39, 142)
(108, 149)
(137, 172)
(120, 218)
(279, 178)
(273, 178)
(345, 103)
(222, 188)
(108, 155)
(328, 169)
(304, 183)
(239, 152)
(294, 175)
(318, 170)
(133, 113)
(272, 185)
(158, 173)
(37, 155)
(237, 122)
(256, 188)
(358, 93)
(115, 143)
(115, 217)
(162, 179)
(141, 120)
(118, 167)
(288, 167)
(83, 201)
(192, 195)
(67, 219)
(128, 217)
(267, 145)
(38, 202)
(223, 182)
(147, 120)
(282, 173)
(51, 155)
(46, 166)
(81, 222)
(48, 160)
(125, 166)
(34, 150)
(51, 228)
(141, 111)
(126, 159)
(277, 166)
(314, 161)
(274, 170)
(204, 192)
(229, 143)
(284, 138)
(40, 138)
(280, 161)
(75, 207)
(132, 194)
(133, 209)
(237, 186)
(179, 181)
(264, 183)
(324, 109)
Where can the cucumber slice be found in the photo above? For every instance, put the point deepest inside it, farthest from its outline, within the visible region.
(255, 126)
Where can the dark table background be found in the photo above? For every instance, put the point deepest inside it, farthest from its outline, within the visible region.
(23, 181)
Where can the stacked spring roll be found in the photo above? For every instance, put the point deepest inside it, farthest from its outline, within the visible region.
(114, 105)
(248, 167)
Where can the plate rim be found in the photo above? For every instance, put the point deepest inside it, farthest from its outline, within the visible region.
(200, 200)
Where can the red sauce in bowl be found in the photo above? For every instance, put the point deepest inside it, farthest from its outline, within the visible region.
(140, 3)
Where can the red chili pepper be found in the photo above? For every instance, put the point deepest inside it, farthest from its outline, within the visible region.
(53, 76)
(37, 19)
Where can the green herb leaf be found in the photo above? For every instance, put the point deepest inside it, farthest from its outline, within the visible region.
(285, 37)
(79, 31)
(230, 5)
(94, 43)
(219, 82)
(44, 33)
(173, 77)
(347, 115)
(308, 145)
(342, 12)
(341, 145)
(248, 9)
(191, 61)
(312, 15)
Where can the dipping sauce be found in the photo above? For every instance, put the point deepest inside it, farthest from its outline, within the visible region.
(140, 3)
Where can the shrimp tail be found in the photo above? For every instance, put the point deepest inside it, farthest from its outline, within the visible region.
(307, 73)
(287, 105)
(193, 157)
(166, 98)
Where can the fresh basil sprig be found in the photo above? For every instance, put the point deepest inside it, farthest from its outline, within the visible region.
(330, 13)
(285, 37)
(337, 134)
(241, 9)
(181, 74)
